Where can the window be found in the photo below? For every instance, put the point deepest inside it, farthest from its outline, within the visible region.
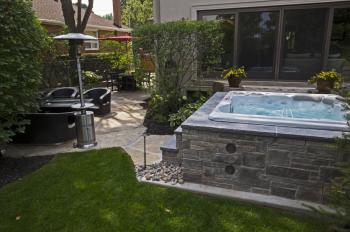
(303, 39)
(339, 53)
(92, 45)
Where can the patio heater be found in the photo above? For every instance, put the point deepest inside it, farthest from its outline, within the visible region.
(84, 120)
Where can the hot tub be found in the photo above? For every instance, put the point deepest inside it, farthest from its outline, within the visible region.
(313, 111)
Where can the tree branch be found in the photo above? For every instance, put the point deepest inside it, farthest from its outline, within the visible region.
(68, 14)
(87, 14)
(79, 16)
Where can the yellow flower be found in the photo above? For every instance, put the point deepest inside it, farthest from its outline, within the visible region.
(234, 72)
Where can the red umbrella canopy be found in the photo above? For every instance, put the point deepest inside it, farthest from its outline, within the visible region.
(120, 38)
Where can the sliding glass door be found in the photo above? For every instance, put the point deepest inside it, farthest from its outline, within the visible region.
(303, 43)
(257, 42)
(286, 43)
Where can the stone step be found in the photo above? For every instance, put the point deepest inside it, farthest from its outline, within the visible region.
(170, 151)
(170, 145)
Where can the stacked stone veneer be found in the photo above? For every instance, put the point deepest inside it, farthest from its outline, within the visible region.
(293, 168)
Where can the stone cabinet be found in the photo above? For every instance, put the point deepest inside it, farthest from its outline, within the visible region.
(292, 168)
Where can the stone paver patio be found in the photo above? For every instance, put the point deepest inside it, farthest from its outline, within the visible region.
(121, 128)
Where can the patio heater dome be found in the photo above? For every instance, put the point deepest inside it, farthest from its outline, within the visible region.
(75, 36)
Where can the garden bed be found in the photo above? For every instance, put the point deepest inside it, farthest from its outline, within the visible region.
(12, 169)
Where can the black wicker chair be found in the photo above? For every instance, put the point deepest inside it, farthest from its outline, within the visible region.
(102, 100)
(64, 92)
(47, 128)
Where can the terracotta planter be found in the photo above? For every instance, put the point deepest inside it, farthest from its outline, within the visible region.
(234, 82)
(325, 86)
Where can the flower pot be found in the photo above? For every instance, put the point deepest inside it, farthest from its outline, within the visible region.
(325, 86)
(234, 82)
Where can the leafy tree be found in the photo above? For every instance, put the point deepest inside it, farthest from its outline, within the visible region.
(180, 50)
(137, 12)
(108, 16)
(22, 43)
(79, 25)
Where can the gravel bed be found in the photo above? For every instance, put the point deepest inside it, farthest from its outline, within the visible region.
(162, 171)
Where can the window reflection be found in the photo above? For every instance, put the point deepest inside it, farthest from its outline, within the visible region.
(227, 24)
(257, 37)
(339, 53)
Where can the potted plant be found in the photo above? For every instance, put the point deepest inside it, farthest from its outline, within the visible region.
(326, 80)
(234, 76)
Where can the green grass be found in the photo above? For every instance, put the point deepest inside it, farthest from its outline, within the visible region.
(98, 191)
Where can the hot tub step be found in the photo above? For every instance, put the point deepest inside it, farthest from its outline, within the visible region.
(170, 151)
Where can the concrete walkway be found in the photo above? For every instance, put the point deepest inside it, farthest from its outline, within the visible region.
(121, 128)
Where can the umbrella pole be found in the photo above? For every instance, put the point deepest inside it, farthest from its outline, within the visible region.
(82, 102)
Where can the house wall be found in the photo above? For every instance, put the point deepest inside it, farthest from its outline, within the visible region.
(54, 30)
(170, 10)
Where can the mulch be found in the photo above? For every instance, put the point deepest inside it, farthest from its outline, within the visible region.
(155, 128)
(12, 169)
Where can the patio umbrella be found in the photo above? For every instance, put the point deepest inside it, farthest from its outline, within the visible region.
(120, 38)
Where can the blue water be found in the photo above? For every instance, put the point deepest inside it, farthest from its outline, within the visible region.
(287, 107)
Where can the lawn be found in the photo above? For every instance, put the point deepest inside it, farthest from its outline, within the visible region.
(98, 191)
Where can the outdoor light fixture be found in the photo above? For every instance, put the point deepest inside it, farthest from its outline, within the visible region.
(85, 128)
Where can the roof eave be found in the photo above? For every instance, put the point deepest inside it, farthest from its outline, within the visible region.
(89, 26)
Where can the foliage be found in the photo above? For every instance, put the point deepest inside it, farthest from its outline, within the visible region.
(108, 16)
(179, 50)
(22, 43)
(338, 196)
(327, 76)
(185, 112)
(57, 70)
(91, 79)
(137, 12)
(119, 54)
(234, 73)
(97, 190)
(160, 107)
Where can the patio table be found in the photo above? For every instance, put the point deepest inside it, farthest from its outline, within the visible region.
(61, 105)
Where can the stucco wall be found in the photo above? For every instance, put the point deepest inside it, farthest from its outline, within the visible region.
(169, 10)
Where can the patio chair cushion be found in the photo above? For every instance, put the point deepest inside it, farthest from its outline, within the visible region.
(64, 92)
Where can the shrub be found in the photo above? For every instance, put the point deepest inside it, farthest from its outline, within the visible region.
(338, 197)
(21, 47)
(57, 71)
(179, 51)
(160, 107)
(185, 112)
(91, 79)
